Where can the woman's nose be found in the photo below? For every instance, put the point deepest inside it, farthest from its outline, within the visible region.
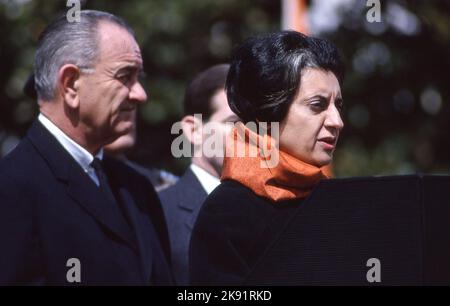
(333, 118)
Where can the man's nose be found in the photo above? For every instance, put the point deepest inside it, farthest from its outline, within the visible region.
(138, 94)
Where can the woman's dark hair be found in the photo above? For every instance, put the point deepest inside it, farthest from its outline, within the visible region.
(265, 73)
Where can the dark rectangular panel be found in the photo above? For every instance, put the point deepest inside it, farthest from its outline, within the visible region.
(437, 229)
(343, 224)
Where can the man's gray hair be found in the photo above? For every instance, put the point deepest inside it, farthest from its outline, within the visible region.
(64, 42)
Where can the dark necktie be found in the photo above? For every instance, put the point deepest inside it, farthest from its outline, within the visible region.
(103, 180)
(116, 209)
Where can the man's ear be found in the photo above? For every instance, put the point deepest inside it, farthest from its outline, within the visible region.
(69, 81)
(192, 129)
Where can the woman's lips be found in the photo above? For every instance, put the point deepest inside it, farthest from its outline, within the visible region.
(328, 143)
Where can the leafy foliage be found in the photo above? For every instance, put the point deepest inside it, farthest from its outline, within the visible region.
(396, 91)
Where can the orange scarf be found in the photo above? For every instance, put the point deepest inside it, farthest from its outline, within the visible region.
(290, 178)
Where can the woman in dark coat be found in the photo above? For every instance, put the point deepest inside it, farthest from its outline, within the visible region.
(286, 88)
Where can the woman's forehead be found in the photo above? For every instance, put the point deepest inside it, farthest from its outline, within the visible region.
(319, 81)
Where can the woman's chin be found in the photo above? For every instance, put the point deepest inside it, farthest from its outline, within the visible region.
(323, 160)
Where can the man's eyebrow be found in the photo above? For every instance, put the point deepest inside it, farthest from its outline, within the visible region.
(130, 68)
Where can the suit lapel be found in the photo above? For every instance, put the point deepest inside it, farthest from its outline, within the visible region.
(85, 193)
(131, 208)
(192, 196)
(80, 187)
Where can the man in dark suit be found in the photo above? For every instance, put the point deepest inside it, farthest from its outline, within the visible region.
(68, 215)
(204, 96)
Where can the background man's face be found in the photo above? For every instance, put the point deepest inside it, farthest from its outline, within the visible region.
(218, 119)
(109, 96)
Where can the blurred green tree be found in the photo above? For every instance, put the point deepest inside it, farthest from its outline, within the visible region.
(396, 91)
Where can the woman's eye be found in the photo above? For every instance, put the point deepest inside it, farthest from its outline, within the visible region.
(318, 105)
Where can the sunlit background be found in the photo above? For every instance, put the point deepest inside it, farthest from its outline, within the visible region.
(396, 90)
